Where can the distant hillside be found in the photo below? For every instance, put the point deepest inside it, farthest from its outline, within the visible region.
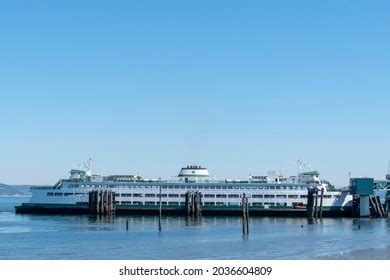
(14, 190)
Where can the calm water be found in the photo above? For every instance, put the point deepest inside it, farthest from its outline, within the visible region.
(84, 237)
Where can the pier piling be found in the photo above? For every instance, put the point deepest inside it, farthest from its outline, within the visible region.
(310, 203)
(101, 202)
(194, 204)
(245, 214)
(160, 211)
(316, 204)
(321, 202)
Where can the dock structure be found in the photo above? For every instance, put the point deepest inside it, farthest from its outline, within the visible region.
(365, 203)
(101, 202)
(311, 197)
(314, 208)
(193, 204)
(376, 208)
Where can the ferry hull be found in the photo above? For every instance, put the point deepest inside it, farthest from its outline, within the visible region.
(82, 209)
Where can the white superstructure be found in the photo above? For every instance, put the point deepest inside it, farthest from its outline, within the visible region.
(265, 192)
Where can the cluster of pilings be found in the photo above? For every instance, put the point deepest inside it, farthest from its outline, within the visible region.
(377, 210)
(314, 207)
(101, 202)
(194, 204)
(245, 214)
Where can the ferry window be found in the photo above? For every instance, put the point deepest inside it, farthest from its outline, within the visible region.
(164, 203)
(59, 194)
(257, 196)
(206, 187)
(257, 204)
(50, 194)
(278, 188)
(162, 195)
(170, 187)
(126, 195)
(269, 196)
(213, 188)
(150, 203)
(173, 203)
(137, 195)
(177, 187)
(281, 196)
(327, 196)
(292, 196)
(291, 187)
(220, 203)
(137, 203)
(272, 188)
(68, 194)
(336, 196)
(221, 195)
(219, 187)
(194, 187)
(150, 195)
(234, 204)
(126, 202)
(182, 195)
(182, 187)
(209, 196)
(173, 195)
(234, 196)
(224, 188)
(281, 204)
(209, 203)
(303, 196)
(272, 204)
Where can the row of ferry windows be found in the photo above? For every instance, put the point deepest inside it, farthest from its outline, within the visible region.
(193, 187)
(205, 195)
(62, 194)
(205, 203)
(222, 195)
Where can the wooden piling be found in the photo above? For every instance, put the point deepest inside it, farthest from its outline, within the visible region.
(160, 212)
(113, 205)
(316, 204)
(310, 203)
(97, 202)
(127, 224)
(193, 204)
(321, 201)
(245, 214)
(380, 207)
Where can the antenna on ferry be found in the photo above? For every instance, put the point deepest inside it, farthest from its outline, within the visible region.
(300, 166)
(88, 166)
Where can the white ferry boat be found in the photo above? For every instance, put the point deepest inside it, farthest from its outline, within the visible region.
(267, 195)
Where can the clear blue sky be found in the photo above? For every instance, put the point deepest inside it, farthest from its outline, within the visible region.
(241, 87)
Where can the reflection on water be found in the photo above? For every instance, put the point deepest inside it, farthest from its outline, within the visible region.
(93, 237)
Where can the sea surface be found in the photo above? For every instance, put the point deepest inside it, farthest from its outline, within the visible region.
(57, 237)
